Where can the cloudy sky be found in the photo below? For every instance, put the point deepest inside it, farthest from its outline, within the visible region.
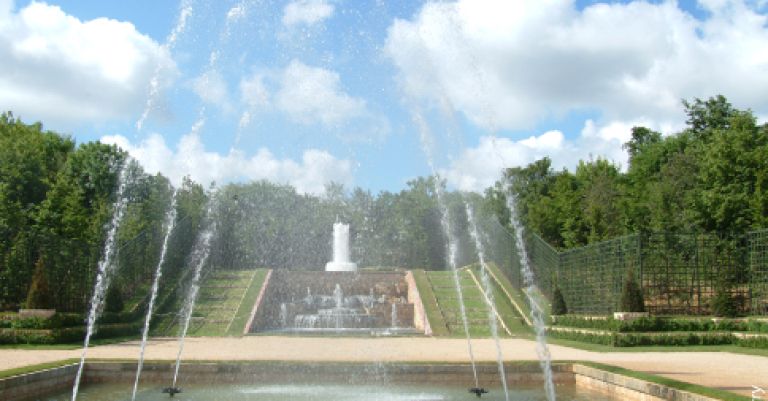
(368, 93)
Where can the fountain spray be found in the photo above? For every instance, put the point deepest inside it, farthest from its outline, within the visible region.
(426, 143)
(537, 312)
(106, 267)
(487, 287)
(199, 258)
(170, 221)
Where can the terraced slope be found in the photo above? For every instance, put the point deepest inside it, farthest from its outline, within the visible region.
(224, 300)
(475, 305)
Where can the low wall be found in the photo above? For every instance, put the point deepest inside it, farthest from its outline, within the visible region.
(38, 384)
(420, 321)
(35, 385)
(628, 388)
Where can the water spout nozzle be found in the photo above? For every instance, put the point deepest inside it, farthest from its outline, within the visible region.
(171, 391)
(478, 391)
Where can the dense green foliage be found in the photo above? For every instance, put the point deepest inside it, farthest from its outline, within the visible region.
(56, 200)
(710, 177)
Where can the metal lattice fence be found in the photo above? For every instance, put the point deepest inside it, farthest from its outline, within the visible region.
(680, 273)
(757, 242)
(591, 277)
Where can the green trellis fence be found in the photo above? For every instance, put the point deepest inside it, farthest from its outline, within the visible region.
(680, 272)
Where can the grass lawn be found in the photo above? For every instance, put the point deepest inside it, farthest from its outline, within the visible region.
(476, 309)
(224, 301)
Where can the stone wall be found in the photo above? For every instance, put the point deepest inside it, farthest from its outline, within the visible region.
(32, 386)
(420, 321)
(628, 388)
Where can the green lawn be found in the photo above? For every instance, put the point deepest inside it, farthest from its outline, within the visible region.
(475, 305)
(237, 325)
(223, 304)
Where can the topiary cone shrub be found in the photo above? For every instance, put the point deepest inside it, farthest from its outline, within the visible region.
(724, 304)
(114, 301)
(39, 295)
(631, 295)
(558, 303)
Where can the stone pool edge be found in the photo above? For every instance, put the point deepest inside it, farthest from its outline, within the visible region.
(35, 384)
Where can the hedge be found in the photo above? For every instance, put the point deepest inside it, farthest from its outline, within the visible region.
(636, 340)
(66, 335)
(661, 324)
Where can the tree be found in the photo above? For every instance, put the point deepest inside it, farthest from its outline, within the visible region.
(558, 303)
(39, 295)
(631, 295)
(113, 302)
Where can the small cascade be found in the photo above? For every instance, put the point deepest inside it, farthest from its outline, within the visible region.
(283, 314)
(335, 312)
(393, 316)
(170, 221)
(105, 268)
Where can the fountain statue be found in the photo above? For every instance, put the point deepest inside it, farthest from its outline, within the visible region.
(340, 261)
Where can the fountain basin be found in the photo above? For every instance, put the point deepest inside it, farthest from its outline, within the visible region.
(205, 381)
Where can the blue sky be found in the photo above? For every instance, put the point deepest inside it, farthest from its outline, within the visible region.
(311, 91)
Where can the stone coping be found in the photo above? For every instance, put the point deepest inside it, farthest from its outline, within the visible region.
(33, 385)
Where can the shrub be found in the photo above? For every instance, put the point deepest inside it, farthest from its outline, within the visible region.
(30, 323)
(558, 303)
(757, 325)
(39, 296)
(754, 342)
(603, 339)
(585, 322)
(631, 295)
(114, 300)
(723, 303)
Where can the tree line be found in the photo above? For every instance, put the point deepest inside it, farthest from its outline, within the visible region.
(711, 177)
(56, 200)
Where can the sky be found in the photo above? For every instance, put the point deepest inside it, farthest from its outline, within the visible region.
(374, 93)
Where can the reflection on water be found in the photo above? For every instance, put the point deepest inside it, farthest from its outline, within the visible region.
(322, 392)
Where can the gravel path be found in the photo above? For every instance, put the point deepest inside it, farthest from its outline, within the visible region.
(727, 371)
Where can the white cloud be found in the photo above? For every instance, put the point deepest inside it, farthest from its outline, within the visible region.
(479, 167)
(309, 175)
(211, 88)
(306, 12)
(508, 64)
(312, 94)
(62, 70)
(253, 91)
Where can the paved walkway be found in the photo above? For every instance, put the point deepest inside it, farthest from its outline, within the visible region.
(727, 371)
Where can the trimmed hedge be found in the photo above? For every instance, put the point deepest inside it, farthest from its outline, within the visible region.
(66, 335)
(602, 339)
(761, 342)
(637, 340)
(583, 322)
(661, 324)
